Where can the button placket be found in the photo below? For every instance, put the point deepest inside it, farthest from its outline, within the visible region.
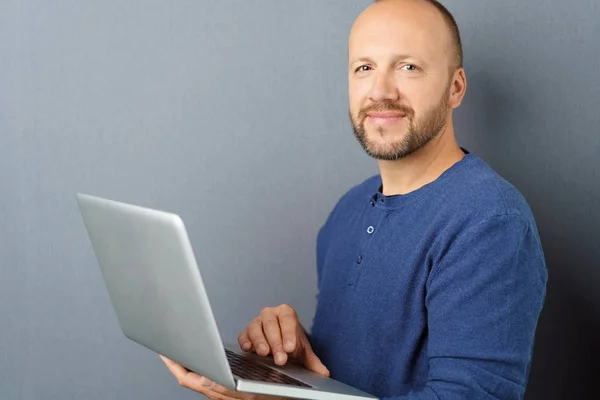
(376, 217)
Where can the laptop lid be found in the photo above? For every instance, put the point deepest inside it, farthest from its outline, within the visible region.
(154, 284)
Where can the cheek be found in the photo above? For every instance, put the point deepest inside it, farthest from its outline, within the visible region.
(420, 99)
(358, 93)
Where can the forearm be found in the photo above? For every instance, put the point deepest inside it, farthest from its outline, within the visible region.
(457, 379)
(482, 314)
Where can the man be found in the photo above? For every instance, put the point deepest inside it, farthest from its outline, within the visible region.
(431, 276)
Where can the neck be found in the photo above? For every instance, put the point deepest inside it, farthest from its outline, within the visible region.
(423, 166)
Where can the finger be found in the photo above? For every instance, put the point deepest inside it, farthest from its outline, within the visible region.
(188, 379)
(288, 321)
(272, 331)
(244, 341)
(229, 394)
(273, 335)
(312, 362)
(174, 368)
(202, 384)
(223, 394)
(218, 396)
(257, 337)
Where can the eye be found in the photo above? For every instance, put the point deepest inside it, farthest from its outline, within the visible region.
(362, 68)
(410, 67)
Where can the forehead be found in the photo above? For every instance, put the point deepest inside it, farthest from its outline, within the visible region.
(407, 27)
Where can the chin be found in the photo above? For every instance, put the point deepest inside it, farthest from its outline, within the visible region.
(386, 135)
(383, 146)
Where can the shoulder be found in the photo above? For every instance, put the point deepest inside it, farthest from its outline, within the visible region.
(485, 226)
(474, 192)
(471, 204)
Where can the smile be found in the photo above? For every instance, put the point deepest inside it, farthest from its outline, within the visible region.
(385, 118)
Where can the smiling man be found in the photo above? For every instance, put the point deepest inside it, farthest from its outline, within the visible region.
(431, 275)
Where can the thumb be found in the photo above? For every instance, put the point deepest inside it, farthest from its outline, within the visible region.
(313, 363)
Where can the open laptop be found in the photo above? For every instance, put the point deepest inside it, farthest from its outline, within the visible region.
(160, 302)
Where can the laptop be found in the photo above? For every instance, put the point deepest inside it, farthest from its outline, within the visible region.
(160, 301)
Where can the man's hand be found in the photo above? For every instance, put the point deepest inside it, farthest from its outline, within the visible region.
(277, 331)
(205, 386)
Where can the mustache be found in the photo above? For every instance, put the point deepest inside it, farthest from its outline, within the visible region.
(383, 106)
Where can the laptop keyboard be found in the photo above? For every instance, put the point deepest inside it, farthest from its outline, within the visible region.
(247, 369)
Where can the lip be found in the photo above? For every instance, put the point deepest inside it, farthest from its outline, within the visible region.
(385, 114)
(385, 118)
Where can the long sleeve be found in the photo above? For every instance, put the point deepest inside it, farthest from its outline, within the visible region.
(483, 302)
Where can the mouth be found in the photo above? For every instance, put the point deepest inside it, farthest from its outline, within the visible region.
(385, 118)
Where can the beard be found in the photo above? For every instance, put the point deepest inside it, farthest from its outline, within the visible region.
(420, 131)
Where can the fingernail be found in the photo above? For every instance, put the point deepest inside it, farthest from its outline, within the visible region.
(289, 345)
(262, 348)
(280, 358)
(246, 345)
(165, 359)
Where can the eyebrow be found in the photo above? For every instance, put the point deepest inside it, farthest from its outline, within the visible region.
(395, 59)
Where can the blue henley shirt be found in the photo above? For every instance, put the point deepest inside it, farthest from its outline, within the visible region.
(434, 294)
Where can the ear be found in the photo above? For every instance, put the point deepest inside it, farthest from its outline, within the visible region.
(458, 87)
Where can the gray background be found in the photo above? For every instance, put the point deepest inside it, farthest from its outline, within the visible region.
(234, 115)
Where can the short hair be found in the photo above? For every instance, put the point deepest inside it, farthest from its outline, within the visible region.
(452, 26)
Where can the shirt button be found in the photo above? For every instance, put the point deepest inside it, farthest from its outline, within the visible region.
(372, 203)
(370, 230)
(358, 259)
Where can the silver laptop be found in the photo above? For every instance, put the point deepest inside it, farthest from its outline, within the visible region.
(160, 301)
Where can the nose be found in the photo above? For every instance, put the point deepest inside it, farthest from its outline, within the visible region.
(384, 87)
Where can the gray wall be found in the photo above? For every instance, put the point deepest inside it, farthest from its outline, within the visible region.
(234, 115)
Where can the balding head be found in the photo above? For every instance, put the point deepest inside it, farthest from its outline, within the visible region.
(405, 76)
(453, 31)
